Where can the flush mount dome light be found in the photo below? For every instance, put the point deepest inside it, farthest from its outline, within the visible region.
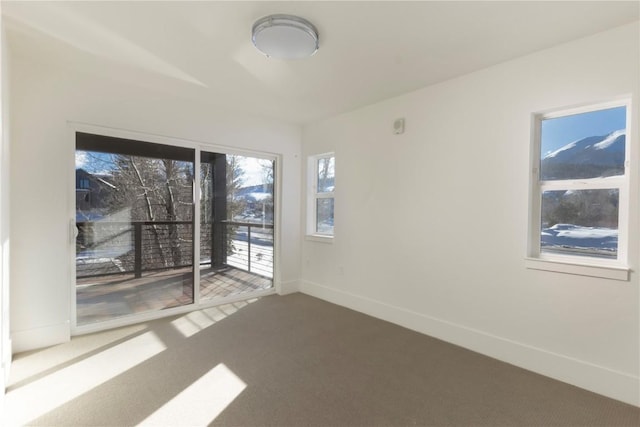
(285, 37)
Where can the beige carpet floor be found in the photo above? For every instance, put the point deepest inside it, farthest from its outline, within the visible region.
(287, 361)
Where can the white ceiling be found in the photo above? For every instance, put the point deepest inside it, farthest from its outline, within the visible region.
(369, 51)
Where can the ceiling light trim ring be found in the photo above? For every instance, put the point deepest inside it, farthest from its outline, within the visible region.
(288, 21)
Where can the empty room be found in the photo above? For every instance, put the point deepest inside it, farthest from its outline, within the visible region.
(205, 206)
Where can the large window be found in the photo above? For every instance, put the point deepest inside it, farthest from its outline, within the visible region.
(322, 176)
(580, 175)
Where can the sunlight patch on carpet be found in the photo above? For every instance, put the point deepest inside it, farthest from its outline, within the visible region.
(29, 365)
(39, 397)
(196, 321)
(201, 402)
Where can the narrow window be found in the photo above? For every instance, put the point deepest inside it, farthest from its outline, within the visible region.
(321, 190)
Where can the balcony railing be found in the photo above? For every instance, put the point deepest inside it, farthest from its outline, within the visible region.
(108, 247)
(251, 247)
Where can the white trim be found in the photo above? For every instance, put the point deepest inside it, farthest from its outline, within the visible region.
(571, 267)
(277, 218)
(196, 228)
(289, 287)
(585, 184)
(322, 238)
(599, 379)
(5, 366)
(72, 129)
(585, 107)
(34, 338)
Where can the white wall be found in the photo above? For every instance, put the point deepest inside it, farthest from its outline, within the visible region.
(5, 339)
(44, 99)
(431, 225)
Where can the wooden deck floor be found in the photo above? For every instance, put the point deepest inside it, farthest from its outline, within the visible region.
(108, 297)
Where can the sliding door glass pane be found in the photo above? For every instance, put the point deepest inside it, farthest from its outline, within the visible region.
(236, 225)
(134, 216)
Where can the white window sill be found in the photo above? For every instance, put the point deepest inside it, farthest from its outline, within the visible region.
(319, 238)
(591, 270)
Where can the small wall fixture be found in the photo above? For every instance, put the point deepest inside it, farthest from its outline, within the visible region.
(398, 126)
(285, 37)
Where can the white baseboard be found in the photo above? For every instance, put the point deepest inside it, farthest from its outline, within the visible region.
(598, 379)
(289, 287)
(31, 339)
(3, 387)
(6, 361)
(5, 368)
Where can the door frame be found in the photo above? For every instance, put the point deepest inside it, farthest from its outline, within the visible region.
(197, 304)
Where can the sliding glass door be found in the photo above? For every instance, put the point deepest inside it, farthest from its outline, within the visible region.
(134, 219)
(136, 227)
(236, 225)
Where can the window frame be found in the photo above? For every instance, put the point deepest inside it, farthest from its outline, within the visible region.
(314, 196)
(578, 264)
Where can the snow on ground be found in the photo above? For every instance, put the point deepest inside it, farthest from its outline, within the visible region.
(575, 236)
(588, 233)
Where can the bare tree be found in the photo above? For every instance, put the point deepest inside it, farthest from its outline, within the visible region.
(156, 191)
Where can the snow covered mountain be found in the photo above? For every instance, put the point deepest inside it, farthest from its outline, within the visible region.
(591, 157)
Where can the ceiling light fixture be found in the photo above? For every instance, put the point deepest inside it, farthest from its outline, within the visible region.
(285, 37)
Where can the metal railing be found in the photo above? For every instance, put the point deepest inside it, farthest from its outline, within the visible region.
(107, 247)
(252, 247)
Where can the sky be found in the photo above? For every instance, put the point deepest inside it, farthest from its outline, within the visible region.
(254, 173)
(561, 131)
(100, 163)
(93, 162)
